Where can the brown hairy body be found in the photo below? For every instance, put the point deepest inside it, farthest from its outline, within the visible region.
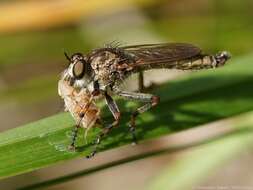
(100, 73)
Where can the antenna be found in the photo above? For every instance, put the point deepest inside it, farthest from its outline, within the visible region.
(66, 55)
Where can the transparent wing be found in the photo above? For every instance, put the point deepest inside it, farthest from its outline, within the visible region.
(161, 53)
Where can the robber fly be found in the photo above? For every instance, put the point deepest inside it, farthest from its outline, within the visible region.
(99, 74)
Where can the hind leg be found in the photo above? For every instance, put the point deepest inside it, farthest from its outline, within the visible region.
(149, 100)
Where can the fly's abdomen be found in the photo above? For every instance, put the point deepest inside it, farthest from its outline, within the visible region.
(203, 62)
(198, 62)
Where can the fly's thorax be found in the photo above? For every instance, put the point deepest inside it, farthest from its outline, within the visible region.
(105, 66)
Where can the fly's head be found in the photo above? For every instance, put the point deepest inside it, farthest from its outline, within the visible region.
(79, 73)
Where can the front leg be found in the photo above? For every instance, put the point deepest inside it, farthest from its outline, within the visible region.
(84, 110)
(149, 100)
(75, 132)
(116, 114)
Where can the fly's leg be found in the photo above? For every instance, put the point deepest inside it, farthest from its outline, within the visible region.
(104, 132)
(149, 100)
(78, 125)
(141, 86)
(82, 114)
(75, 132)
(116, 114)
(73, 138)
(141, 81)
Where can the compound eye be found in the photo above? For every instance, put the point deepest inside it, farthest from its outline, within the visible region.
(78, 69)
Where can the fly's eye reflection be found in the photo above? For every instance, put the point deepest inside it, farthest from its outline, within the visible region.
(78, 69)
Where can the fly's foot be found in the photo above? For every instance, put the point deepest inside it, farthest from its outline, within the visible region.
(91, 154)
(104, 132)
(96, 143)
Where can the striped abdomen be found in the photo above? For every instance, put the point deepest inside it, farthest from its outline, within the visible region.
(194, 63)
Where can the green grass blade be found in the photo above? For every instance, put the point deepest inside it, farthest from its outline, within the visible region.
(235, 131)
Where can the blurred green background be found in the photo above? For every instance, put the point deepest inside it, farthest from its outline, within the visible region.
(35, 33)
